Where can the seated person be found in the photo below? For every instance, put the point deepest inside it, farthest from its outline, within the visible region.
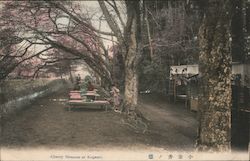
(91, 88)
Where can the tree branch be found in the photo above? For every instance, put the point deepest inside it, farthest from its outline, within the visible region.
(111, 22)
(114, 6)
(75, 18)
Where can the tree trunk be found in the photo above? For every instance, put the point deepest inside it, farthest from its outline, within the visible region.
(132, 56)
(215, 82)
(131, 89)
(129, 43)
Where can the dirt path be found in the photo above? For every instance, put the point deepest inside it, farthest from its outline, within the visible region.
(172, 124)
(47, 123)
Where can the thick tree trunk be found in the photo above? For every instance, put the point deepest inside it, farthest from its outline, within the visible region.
(215, 70)
(129, 42)
(132, 56)
(131, 89)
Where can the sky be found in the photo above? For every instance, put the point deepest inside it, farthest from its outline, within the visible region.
(93, 7)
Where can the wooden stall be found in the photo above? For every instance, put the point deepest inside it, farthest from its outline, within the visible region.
(182, 84)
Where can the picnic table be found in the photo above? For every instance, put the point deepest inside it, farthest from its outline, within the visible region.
(75, 96)
(76, 100)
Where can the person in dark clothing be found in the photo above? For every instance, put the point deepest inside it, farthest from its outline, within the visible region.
(78, 79)
(77, 83)
(90, 86)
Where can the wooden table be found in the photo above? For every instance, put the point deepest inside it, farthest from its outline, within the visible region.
(75, 95)
(91, 94)
(76, 100)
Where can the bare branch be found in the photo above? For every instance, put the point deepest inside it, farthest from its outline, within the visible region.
(111, 22)
(75, 18)
(114, 6)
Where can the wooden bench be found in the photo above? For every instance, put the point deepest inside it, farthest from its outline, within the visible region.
(76, 100)
(83, 103)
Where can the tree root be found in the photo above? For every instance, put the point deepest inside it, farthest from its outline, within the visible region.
(136, 121)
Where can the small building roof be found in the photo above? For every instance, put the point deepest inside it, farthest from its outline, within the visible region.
(185, 69)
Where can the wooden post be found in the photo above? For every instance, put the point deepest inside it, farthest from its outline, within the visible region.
(174, 90)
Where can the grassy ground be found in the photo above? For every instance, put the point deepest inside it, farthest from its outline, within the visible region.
(48, 123)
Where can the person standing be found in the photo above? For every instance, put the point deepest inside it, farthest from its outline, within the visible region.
(77, 82)
(78, 79)
(116, 97)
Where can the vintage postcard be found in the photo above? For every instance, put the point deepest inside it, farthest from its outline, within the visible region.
(125, 80)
